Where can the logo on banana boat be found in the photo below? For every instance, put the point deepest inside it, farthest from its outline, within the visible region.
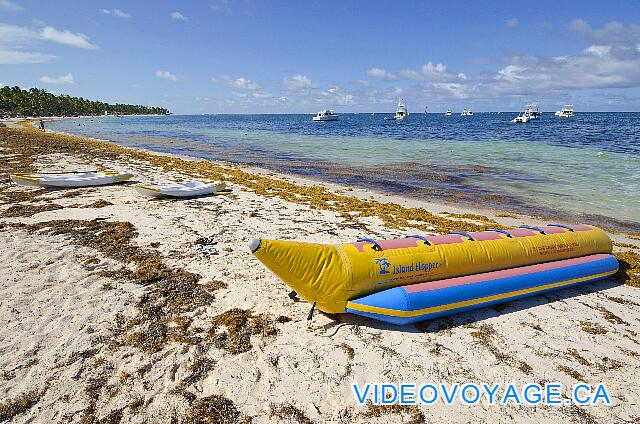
(387, 268)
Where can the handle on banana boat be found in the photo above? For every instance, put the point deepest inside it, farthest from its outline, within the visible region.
(529, 227)
(462, 233)
(505, 232)
(561, 226)
(375, 246)
(423, 238)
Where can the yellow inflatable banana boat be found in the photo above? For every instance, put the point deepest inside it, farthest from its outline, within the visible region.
(331, 275)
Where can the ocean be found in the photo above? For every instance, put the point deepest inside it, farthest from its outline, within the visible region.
(586, 168)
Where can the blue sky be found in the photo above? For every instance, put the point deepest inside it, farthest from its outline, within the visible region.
(248, 56)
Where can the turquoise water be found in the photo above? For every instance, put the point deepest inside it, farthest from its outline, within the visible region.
(586, 168)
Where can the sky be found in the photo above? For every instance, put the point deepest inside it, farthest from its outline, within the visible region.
(250, 56)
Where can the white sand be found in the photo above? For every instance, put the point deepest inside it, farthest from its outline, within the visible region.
(56, 316)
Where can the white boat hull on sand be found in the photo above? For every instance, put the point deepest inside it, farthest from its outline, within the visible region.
(192, 189)
(82, 179)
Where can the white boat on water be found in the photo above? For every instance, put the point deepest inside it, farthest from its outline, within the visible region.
(566, 112)
(448, 112)
(326, 115)
(523, 117)
(401, 112)
(467, 112)
(533, 111)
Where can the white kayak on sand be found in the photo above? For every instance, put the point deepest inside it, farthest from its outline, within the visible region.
(191, 189)
(72, 179)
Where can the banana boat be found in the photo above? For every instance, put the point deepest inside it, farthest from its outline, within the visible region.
(337, 278)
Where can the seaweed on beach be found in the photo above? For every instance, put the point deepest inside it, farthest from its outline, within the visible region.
(111, 238)
(24, 211)
(100, 203)
(160, 318)
(571, 372)
(215, 285)
(18, 154)
(392, 215)
(416, 416)
(10, 408)
(92, 391)
(172, 291)
(215, 409)
(610, 316)
(288, 412)
(348, 350)
(485, 335)
(581, 359)
(629, 268)
(18, 196)
(469, 216)
(198, 370)
(582, 416)
(232, 330)
(592, 328)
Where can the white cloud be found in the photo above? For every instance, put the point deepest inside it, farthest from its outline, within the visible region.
(220, 6)
(431, 69)
(455, 89)
(14, 57)
(243, 83)
(262, 95)
(297, 82)
(427, 72)
(345, 99)
(612, 62)
(380, 73)
(9, 6)
(512, 23)
(14, 39)
(511, 73)
(610, 33)
(66, 37)
(64, 79)
(178, 16)
(115, 12)
(166, 75)
(15, 35)
(596, 67)
(598, 50)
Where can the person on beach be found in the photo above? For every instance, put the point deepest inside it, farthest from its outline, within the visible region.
(42, 125)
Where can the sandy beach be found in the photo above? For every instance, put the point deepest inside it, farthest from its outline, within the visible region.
(119, 308)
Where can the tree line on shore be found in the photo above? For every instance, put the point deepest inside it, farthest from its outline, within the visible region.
(15, 102)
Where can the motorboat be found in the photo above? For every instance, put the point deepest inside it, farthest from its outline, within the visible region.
(448, 112)
(533, 111)
(401, 112)
(326, 115)
(523, 117)
(566, 112)
(467, 112)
